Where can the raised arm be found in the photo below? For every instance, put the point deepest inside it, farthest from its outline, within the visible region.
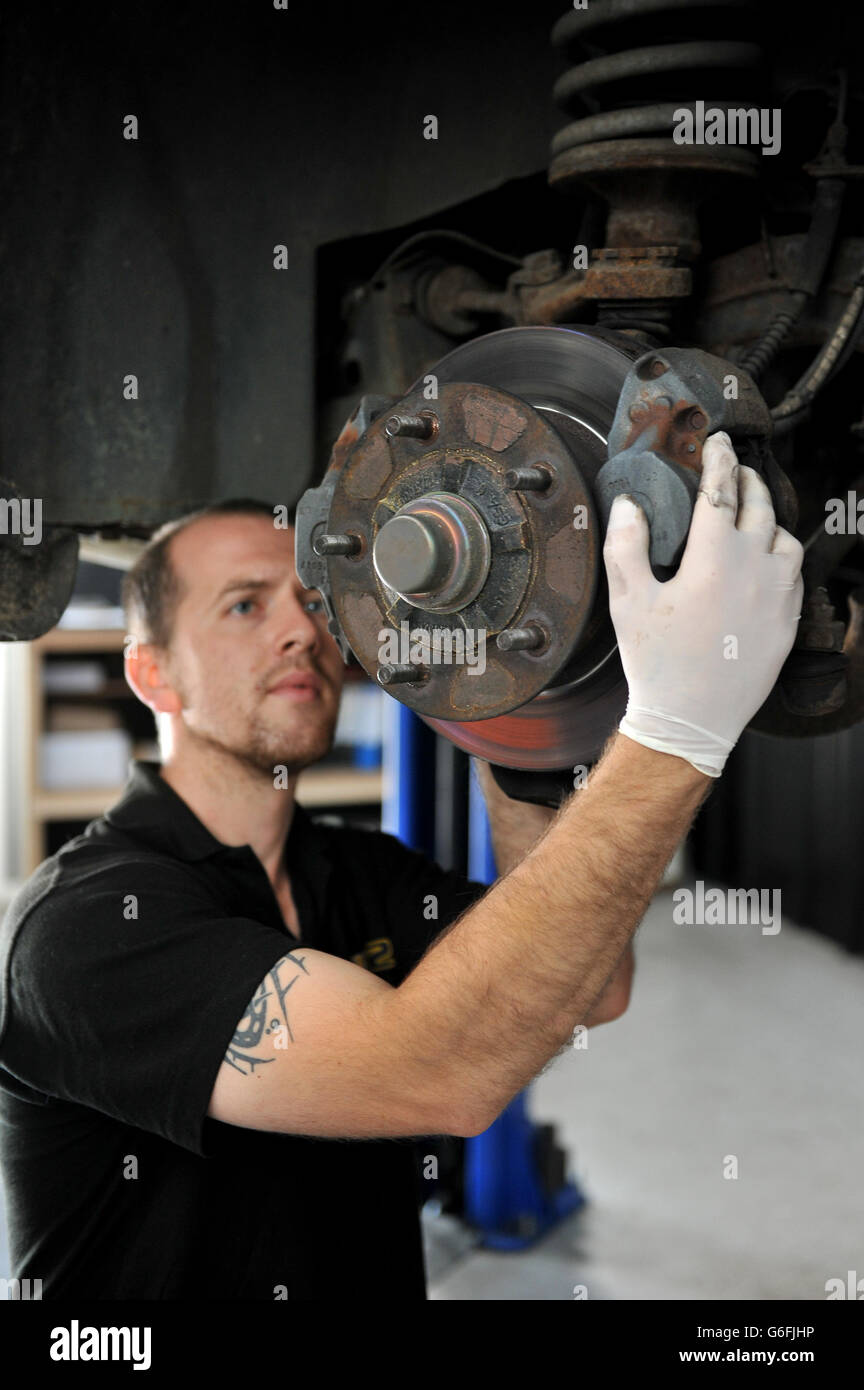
(501, 990)
(516, 827)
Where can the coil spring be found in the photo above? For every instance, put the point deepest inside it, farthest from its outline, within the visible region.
(618, 113)
(651, 317)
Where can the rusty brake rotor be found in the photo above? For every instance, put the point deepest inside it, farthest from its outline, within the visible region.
(573, 379)
(465, 513)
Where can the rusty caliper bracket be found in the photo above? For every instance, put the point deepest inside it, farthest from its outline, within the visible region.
(671, 401)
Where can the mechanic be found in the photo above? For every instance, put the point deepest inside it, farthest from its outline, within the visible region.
(221, 1022)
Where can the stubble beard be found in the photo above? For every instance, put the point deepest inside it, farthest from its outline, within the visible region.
(265, 749)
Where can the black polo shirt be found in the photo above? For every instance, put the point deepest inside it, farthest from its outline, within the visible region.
(126, 962)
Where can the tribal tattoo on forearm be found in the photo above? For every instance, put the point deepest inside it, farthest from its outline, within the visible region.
(259, 1022)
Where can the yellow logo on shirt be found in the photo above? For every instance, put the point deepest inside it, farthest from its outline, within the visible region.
(376, 955)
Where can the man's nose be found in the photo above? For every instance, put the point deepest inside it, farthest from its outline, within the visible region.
(295, 627)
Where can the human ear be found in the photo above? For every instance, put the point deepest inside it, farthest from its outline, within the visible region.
(145, 667)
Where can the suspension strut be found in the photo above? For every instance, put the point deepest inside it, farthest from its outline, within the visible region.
(624, 55)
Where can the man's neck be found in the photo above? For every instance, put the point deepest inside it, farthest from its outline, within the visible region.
(238, 804)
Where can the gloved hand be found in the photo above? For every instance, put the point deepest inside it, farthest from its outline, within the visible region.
(702, 651)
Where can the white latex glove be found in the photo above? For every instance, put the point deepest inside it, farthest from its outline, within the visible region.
(702, 651)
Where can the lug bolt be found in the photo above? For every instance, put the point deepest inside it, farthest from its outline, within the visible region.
(520, 639)
(658, 368)
(336, 545)
(399, 675)
(411, 426)
(528, 479)
(697, 419)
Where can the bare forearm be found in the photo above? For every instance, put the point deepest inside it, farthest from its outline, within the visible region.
(515, 826)
(501, 991)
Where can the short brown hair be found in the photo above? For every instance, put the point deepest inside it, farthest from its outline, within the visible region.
(152, 589)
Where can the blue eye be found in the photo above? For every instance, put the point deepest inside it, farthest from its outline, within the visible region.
(238, 604)
(315, 605)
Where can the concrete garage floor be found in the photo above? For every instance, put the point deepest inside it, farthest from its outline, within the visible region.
(735, 1043)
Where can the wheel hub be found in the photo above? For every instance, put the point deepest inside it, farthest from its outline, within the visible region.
(465, 522)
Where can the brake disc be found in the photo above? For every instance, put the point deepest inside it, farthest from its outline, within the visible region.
(572, 378)
(467, 507)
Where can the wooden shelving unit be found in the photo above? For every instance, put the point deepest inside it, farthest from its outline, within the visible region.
(339, 786)
(44, 805)
(318, 787)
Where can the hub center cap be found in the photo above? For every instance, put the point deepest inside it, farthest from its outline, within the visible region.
(434, 552)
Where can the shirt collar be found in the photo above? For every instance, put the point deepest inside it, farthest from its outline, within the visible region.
(151, 810)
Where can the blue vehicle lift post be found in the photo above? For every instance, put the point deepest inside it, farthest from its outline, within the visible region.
(507, 1199)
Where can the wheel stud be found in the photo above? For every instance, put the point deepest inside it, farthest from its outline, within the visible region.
(336, 545)
(519, 639)
(411, 426)
(534, 479)
(400, 674)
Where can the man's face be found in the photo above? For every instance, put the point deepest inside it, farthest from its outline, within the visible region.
(250, 657)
